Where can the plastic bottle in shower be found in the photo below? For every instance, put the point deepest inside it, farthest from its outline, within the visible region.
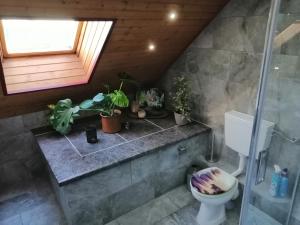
(284, 183)
(275, 182)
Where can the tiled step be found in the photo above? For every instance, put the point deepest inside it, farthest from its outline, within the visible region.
(176, 207)
(157, 209)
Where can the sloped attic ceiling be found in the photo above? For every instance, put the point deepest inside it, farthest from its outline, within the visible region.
(139, 22)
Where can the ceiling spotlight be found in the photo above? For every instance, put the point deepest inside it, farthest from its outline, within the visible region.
(151, 47)
(172, 16)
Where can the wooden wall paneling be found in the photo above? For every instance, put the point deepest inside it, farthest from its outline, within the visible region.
(22, 70)
(1, 52)
(41, 85)
(39, 60)
(138, 22)
(47, 76)
(122, 5)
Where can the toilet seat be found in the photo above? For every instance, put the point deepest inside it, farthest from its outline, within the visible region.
(212, 208)
(217, 196)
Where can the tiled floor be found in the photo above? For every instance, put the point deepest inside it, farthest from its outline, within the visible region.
(34, 204)
(177, 207)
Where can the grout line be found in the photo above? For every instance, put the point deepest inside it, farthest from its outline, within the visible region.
(41, 134)
(121, 137)
(103, 149)
(128, 141)
(76, 150)
(154, 124)
(197, 121)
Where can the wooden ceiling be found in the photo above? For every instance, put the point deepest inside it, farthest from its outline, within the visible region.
(139, 22)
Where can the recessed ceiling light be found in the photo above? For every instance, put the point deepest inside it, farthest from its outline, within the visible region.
(172, 15)
(276, 68)
(151, 47)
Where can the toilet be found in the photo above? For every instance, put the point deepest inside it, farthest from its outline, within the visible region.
(238, 131)
(212, 208)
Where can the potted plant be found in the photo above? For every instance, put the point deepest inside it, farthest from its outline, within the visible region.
(180, 101)
(107, 105)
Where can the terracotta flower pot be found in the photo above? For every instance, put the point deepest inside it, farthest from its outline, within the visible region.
(111, 124)
(180, 119)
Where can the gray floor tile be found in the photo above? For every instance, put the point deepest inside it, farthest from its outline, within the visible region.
(15, 220)
(232, 217)
(113, 223)
(167, 221)
(46, 214)
(18, 204)
(186, 215)
(149, 213)
(181, 196)
(31, 204)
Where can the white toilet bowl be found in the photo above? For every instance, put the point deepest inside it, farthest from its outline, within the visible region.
(212, 208)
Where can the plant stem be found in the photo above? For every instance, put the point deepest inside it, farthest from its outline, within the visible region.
(121, 86)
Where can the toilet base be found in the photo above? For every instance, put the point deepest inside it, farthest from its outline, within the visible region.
(211, 214)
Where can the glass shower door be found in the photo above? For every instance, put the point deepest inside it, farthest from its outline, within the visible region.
(278, 101)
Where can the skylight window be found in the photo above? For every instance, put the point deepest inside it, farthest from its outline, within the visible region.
(39, 36)
(44, 54)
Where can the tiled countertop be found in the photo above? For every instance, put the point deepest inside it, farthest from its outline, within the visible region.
(70, 157)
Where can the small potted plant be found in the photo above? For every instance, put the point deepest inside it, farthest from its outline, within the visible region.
(107, 105)
(180, 101)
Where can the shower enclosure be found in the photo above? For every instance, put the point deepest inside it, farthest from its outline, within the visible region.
(278, 101)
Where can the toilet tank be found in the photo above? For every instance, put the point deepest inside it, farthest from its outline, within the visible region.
(238, 131)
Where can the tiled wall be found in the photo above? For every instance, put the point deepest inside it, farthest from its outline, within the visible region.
(223, 64)
(104, 196)
(19, 158)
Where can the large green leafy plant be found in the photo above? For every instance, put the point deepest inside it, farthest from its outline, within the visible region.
(181, 96)
(64, 113)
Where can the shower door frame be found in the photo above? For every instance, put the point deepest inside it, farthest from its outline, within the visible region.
(264, 73)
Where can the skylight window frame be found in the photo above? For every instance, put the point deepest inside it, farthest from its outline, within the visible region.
(12, 55)
(82, 35)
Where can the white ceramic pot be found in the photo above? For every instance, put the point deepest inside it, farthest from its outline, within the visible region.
(180, 119)
(141, 114)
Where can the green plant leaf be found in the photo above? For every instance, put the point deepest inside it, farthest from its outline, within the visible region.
(119, 98)
(61, 116)
(76, 109)
(87, 104)
(99, 98)
(65, 103)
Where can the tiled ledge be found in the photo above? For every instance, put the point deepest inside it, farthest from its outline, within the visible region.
(70, 157)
